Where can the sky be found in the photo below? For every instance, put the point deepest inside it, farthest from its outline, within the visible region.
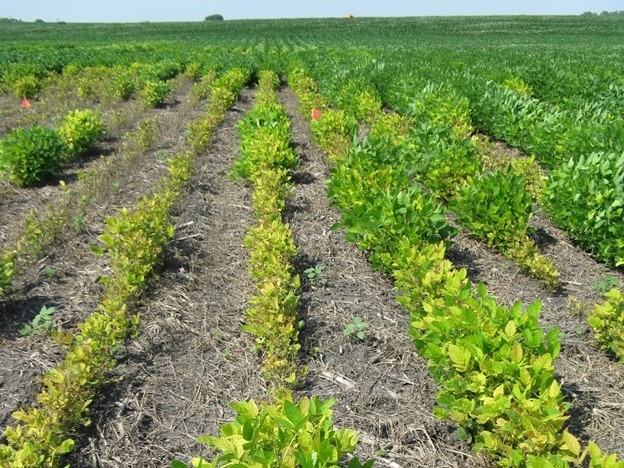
(196, 10)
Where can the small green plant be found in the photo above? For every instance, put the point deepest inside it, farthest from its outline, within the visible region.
(86, 87)
(27, 86)
(577, 307)
(606, 283)
(80, 130)
(356, 328)
(334, 132)
(154, 93)
(495, 207)
(314, 273)
(517, 85)
(42, 322)
(6, 272)
(607, 322)
(122, 86)
(79, 223)
(145, 134)
(281, 434)
(30, 155)
(49, 272)
(201, 90)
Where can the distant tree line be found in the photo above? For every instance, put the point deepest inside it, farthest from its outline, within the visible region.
(604, 13)
(215, 17)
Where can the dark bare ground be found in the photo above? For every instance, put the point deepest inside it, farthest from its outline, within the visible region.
(67, 277)
(382, 386)
(592, 379)
(191, 358)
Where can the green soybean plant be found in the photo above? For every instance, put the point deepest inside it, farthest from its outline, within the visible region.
(281, 434)
(28, 156)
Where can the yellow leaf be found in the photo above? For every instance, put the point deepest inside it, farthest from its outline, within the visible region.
(516, 353)
(499, 391)
(554, 390)
(570, 443)
(510, 328)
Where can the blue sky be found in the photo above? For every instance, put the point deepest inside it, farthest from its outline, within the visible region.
(194, 10)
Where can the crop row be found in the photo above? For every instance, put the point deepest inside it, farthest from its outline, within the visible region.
(100, 82)
(494, 364)
(492, 199)
(42, 229)
(281, 432)
(29, 156)
(494, 203)
(585, 160)
(133, 241)
(581, 149)
(266, 161)
(491, 195)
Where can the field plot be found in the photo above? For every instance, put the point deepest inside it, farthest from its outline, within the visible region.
(310, 243)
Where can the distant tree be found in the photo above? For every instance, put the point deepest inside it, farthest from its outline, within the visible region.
(612, 13)
(39, 20)
(588, 14)
(215, 17)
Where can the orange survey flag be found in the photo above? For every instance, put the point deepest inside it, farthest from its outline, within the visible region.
(25, 103)
(316, 114)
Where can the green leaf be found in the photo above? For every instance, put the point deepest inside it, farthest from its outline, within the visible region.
(516, 353)
(248, 430)
(292, 412)
(66, 447)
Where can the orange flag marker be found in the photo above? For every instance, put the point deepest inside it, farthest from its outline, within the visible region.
(316, 114)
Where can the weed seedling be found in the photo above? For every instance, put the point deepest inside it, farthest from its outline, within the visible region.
(577, 307)
(605, 284)
(79, 223)
(356, 327)
(41, 322)
(49, 272)
(313, 273)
